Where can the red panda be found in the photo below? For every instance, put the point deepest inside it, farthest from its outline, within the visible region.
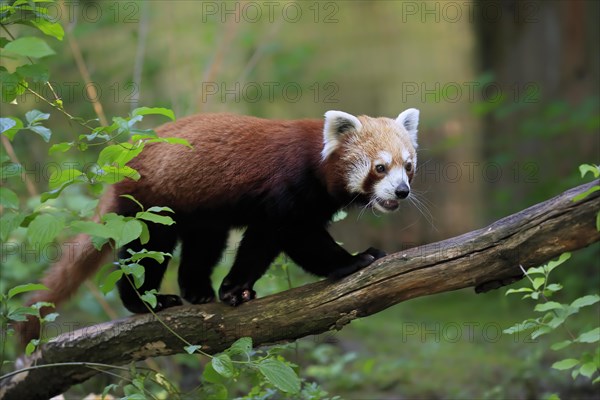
(281, 179)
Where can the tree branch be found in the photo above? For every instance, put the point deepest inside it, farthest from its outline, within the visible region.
(485, 259)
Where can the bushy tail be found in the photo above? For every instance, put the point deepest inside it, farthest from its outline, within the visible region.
(79, 262)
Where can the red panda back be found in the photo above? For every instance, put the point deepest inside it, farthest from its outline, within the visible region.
(231, 156)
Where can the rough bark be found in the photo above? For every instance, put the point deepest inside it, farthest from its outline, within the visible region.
(485, 259)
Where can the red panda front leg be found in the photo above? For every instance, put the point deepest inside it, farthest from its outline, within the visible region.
(313, 248)
(201, 249)
(258, 248)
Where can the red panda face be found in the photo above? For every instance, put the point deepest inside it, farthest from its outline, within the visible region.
(377, 156)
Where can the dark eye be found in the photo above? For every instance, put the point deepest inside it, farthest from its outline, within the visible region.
(408, 166)
(380, 168)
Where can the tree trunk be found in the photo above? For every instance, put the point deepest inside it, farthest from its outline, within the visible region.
(485, 259)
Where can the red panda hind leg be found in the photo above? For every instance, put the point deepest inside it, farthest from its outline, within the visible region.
(162, 238)
(201, 250)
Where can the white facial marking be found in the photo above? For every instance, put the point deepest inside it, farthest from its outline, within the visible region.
(386, 188)
(357, 175)
(386, 157)
(405, 155)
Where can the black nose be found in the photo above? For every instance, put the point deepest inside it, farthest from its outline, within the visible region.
(402, 191)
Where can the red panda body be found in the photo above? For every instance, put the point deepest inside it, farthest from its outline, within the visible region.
(282, 180)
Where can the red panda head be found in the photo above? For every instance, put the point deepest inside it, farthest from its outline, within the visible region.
(376, 157)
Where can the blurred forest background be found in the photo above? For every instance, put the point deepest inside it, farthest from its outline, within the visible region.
(509, 100)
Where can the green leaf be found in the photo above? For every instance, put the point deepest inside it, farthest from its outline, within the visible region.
(241, 346)
(159, 256)
(119, 154)
(551, 305)
(281, 375)
(61, 176)
(536, 270)
(130, 197)
(519, 290)
(561, 345)
(111, 175)
(50, 317)
(154, 111)
(92, 229)
(111, 280)
(7, 124)
(567, 363)
(44, 132)
(157, 209)
(137, 271)
(588, 369)
(210, 375)
(590, 336)
(8, 198)
(192, 348)
(53, 194)
(158, 219)
(150, 297)
(538, 282)
(8, 223)
(585, 194)
(145, 235)
(520, 327)
(554, 287)
(11, 86)
(585, 301)
(555, 263)
(223, 365)
(175, 140)
(60, 147)
(130, 231)
(30, 348)
(541, 330)
(35, 116)
(29, 47)
(593, 169)
(53, 29)
(44, 228)
(20, 314)
(29, 287)
(36, 72)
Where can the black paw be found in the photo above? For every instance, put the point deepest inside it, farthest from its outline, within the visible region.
(206, 295)
(236, 294)
(376, 253)
(360, 261)
(166, 301)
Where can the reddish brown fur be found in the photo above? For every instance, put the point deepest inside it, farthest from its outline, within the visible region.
(266, 153)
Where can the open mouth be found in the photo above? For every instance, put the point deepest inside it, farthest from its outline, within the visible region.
(389, 205)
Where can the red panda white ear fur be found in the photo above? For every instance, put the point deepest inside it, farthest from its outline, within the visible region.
(409, 120)
(337, 123)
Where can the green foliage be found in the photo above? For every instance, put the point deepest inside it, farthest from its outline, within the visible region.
(584, 362)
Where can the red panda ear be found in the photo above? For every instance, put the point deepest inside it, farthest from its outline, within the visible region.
(337, 123)
(409, 120)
